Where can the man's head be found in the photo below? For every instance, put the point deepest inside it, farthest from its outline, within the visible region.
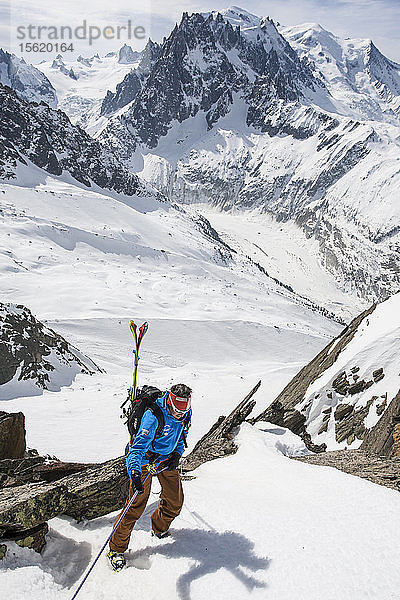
(179, 400)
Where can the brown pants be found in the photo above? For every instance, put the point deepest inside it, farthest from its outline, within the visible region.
(168, 508)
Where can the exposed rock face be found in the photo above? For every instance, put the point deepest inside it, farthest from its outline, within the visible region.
(295, 390)
(98, 490)
(30, 505)
(88, 494)
(380, 470)
(278, 414)
(193, 74)
(344, 395)
(59, 64)
(12, 435)
(126, 55)
(32, 352)
(34, 538)
(383, 439)
(130, 86)
(48, 139)
(216, 87)
(34, 469)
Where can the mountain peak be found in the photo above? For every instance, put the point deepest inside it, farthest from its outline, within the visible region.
(126, 55)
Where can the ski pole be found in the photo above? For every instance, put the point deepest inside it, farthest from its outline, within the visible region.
(112, 532)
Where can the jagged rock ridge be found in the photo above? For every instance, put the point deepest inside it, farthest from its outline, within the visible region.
(348, 395)
(32, 353)
(48, 139)
(234, 75)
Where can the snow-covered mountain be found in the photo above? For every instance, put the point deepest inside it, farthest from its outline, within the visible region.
(232, 115)
(46, 138)
(82, 84)
(132, 83)
(363, 82)
(28, 81)
(343, 393)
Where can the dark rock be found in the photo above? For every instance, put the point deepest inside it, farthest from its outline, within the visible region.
(26, 344)
(350, 422)
(396, 440)
(377, 373)
(34, 469)
(383, 471)
(30, 505)
(97, 491)
(28, 82)
(34, 538)
(342, 411)
(380, 438)
(87, 494)
(47, 138)
(324, 427)
(12, 435)
(295, 390)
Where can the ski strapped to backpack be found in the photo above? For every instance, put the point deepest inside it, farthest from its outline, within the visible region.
(138, 336)
(145, 398)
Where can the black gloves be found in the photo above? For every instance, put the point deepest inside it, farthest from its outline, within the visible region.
(173, 462)
(137, 484)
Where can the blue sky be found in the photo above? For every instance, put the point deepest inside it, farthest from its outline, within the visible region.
(375, 19)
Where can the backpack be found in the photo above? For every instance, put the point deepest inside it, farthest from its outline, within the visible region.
(146, 400)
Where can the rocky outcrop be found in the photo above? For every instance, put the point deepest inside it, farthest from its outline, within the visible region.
(194, 74)
(12, 436)
(383, 438)
(34, 469)
(127, 90)
(218, 441)
(92, 492)
(356, 402)
(295, 390)
(126, 55)
(30, 351)
(292, 419)
(30, 505)
(29, 83)
(380, 470)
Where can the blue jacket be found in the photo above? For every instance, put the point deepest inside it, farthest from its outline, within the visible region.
(170, 440)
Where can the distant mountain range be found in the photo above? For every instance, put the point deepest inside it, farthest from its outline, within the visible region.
(236, 111)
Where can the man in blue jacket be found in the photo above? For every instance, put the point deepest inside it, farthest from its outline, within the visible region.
(162, 451)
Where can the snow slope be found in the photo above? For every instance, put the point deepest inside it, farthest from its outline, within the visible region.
(255, 524)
